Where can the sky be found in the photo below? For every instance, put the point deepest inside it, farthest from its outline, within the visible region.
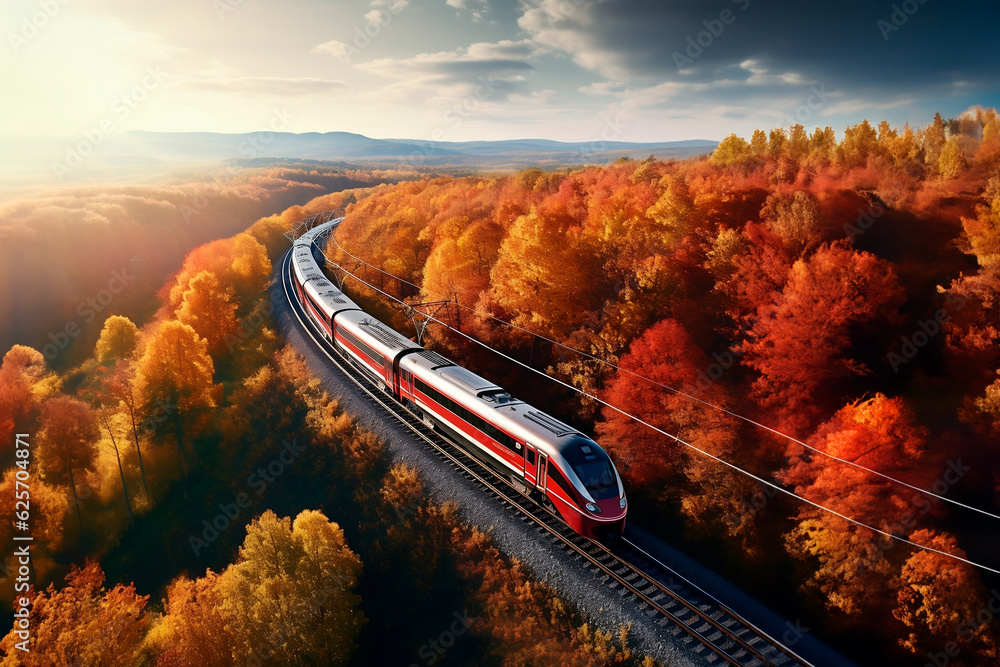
(573, 70)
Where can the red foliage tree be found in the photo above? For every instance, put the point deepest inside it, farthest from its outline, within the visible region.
(806, 339)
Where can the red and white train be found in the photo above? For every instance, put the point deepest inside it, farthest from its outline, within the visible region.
(541, 455)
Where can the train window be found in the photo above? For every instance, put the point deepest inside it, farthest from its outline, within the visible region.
(593, 467)
(377, 358)
(530, 455)
(598, 478)
(469, 417)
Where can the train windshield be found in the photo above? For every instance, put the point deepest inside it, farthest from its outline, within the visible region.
(593, 467)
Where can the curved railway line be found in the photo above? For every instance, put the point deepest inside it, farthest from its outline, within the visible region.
(715, 633)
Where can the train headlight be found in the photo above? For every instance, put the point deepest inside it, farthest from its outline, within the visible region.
(593, 508)
(621, 503)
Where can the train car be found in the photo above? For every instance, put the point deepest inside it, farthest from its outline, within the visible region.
(321, 299)
(304, 268)
(326, 301)
(542, 456)
(372, 347)
(539, 454)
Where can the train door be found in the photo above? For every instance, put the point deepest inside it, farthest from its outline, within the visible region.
(543, 468)
(530, 464)
(387, 384)
(404, 387)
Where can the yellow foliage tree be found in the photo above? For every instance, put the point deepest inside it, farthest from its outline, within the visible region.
(292, 591)
(48, 511)
(983, 231)
(118, 339)
(952, 161)
(193, 630)
(175, 374)
(793, 218)
(537, 276)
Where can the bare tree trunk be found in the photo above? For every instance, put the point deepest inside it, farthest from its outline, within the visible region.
(121, 471)
(135, 435)
(182, 463)
(76, 501)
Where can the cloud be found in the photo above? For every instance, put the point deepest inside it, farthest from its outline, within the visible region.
(265, 85)
(334, 48)
(764, 44)
(394, 6)
(505, 61)
(477, 8)
(760, 75)
(493, 74)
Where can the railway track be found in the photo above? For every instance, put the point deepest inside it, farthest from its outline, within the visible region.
(714, 632)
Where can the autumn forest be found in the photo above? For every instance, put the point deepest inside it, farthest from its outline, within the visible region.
(820, 311)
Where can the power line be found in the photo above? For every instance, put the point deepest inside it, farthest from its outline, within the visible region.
(670, 435)
(680, 392)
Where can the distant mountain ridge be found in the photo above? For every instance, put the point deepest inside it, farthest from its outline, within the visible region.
(188, 146)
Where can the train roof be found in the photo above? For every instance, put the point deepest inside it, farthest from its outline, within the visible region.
(491, 401)
(385, 340)
(305, 267)
(330, 299)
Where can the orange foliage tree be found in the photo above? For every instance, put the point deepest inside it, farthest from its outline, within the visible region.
(83, 623)
(48, 511)
(854, 563)
(24, 382)
(193, 629)
(208, 308)
(67, 442)
(939, 599)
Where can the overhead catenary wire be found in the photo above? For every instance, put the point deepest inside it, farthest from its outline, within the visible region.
(680, 392)
(665, 433)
